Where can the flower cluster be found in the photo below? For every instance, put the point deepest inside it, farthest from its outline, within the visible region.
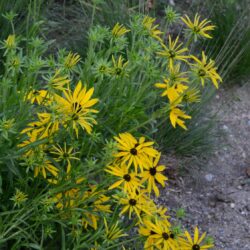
(137, 173)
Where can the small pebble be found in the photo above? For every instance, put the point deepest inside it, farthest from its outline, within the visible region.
(232, 205)
(209, 177)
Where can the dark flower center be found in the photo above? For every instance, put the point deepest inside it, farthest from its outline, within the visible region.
(77, 107)
(75, 117)
(127, 177)
(153, 171)
(197, 29)
(102, 68)
(196, 247)
(65, 155)
(202, 72)
(118, 71)
(171, 54)
(165, 236)
(133, 151)
(132, 202)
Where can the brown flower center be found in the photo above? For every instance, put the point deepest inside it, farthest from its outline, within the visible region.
(133, 151)
(132, 202)
(127, 177)
(153, 171)
(196, 247)
(165, 236)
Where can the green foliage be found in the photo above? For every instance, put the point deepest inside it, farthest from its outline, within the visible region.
(231, 49)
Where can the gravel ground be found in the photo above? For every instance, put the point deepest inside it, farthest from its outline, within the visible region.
(216, 196)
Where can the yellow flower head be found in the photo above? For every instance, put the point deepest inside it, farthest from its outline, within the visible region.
(113, 232)
(59, 82)
(38, 97)
(19, 198)
(119, 30)
(206, 70)
(194, 244)
(148, 23)
(152, 175)
(175, 117)
(134, 203)
(65, 155)
(76, 107)
(173, 52)
(119, 67)
(198, 28)
(127, 179)
(71, 60)
(133, 151)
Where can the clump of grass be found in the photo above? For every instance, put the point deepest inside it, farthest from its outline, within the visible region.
(232, 47)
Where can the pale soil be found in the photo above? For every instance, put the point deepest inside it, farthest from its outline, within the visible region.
(216, 190)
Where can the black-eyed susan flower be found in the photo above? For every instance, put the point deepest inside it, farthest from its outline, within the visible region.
(128, 180)
(38, 96)
(134, 202)
(71, 60)
(148, 23)
(152, 174)
(76, 107)
(206, 70)
(173, 52)
(188, 243)
(45, 166)
(119, 67)
(161, 235)
(174, 92)
(191, 95)
(176, 115)
(133, 151)
(64, 154)
(113, 232)
(19, 198)
(198, 28)
(119, 30)
(59, 82)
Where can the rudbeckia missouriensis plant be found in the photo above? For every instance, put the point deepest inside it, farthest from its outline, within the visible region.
(80, 167)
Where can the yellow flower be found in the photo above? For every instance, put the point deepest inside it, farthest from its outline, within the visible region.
(191, 95)
(19, 198)
(173, 52)
(174, 93)
(134, 203)
(119, 67)
(152, 29)
(196, 243)
(205, 70)
(113, 232)
(198, 28)
(38, 96)
(127, 179)
(58, 82)
(161, 235)
(119, 30)
(76, 107)
(152, 174)
(10, 42)
(134, 152)
(71, 60)
(44, 166)
(175, 115)
(64, 154)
